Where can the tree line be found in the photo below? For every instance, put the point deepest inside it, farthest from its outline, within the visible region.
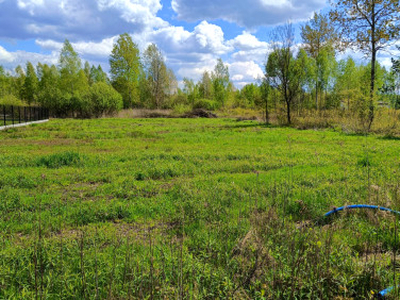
(296, 78)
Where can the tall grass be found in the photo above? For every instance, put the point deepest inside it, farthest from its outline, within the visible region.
(157, 208)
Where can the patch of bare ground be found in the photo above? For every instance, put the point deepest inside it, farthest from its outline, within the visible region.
(251, 118)
(139, 232)
(82, 191)
(145, 113)
(200, 113)
(252, 256)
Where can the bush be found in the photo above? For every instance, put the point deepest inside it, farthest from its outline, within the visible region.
(206, 104)
(11, 100)
(181, 109)
(104, 100)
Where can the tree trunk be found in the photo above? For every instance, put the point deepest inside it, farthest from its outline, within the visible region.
(288, 112)
(373, 62)
(371, 113)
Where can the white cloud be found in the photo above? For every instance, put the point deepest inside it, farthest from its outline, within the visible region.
(210, 37)
(189, 54)
(247, 41)
(100, 49)
(249, 14)
(245, 72)
(5, 56)
(76, 19)
(9, 60)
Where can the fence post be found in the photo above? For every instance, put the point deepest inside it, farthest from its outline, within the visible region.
(12, 114)
(19, 115)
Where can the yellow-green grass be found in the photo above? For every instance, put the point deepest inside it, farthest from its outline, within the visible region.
(193, 208)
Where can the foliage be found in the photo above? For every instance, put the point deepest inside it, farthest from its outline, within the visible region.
(283, 70)
(220, 82)
(367, 25)
(157, 77)
(31, 84)
(11, 100)
(125, 69)
(206, 104)
(69, 66)
(319, 37)
(104, 100)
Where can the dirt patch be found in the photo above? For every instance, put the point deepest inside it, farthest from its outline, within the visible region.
(200, 113)
(252, 118)
(136, 231)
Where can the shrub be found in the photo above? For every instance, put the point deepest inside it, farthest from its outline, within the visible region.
(181, 109)
(104, 100)
(11, 100)
(206, 104)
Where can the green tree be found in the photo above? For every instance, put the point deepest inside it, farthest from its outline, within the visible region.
(5, 86)
(190, 90)
(69, 65)
(318, 36)
(125, 69)
(49, 94)
(307, 76)
(157, 76)
(250, 95)
(80, 102)
(104, 99)
(395, 81)
(348, 81)
(205, 86)
(326, 66)
(98, 75)
(367, 25)
(87, 69)
(19, 81)
(265, 91)
(31, 84)
(282, 70)
(220, 82)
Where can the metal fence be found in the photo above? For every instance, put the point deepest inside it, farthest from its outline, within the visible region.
(12, 115)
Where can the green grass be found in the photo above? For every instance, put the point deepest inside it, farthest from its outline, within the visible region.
(194, 208)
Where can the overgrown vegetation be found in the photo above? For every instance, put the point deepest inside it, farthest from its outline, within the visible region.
(300, 77)
(189, 208)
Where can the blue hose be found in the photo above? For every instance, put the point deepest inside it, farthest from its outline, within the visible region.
(384, 292)
(361, 206)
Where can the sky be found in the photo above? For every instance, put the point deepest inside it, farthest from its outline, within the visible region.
(191, 34)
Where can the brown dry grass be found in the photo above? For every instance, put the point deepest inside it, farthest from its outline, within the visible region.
(144, 113)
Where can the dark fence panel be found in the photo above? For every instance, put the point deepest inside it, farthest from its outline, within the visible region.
(11, 115)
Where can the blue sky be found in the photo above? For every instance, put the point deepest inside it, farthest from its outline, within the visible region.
(192, 34)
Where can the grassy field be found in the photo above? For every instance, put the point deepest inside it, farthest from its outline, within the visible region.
(194, 209)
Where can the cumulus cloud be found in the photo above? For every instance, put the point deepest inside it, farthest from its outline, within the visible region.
(249, 14)
(249, 48)
(101, 49)
(205, 38)
(5, 56)
(76, 19)
(243, 73)
(189, 54)
(9, 60)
